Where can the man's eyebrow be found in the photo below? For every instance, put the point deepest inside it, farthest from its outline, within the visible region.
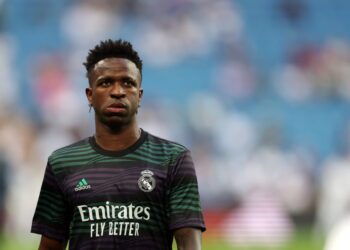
(100, 78)
(129, 78)
(112, 77)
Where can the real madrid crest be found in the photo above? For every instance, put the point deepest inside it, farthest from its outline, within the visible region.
(147, 182)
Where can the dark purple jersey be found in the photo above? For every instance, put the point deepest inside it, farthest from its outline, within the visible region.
(130, 199)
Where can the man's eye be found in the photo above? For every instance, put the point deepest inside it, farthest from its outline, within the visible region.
(129, 83)
(105, 83)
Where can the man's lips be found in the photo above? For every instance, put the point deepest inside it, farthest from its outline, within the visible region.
(116, 108)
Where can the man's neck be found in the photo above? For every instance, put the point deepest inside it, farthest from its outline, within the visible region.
(117, 140)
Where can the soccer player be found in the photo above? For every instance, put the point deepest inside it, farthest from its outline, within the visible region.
(122, 188)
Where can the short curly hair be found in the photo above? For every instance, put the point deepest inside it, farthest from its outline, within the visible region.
(112, 48)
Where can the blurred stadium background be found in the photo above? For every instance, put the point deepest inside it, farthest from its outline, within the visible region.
(258, 90)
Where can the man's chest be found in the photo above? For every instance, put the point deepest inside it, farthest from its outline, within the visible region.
(116, 200)
(134, 182)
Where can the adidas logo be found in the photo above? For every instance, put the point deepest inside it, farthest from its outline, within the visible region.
(82, 184)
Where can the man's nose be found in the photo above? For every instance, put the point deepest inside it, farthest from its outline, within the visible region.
(117, 90)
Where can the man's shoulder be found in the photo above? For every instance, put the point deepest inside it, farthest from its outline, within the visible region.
(80, 145)
(166, 144)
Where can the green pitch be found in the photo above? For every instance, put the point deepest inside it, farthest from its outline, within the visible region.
(302, 240)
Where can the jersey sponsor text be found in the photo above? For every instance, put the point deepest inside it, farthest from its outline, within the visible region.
(121, 216)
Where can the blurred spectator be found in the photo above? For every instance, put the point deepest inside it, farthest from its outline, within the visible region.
(292, 10)
(265, 170)
(316, 73)
(294, 81)
(334, 191)
(9, 95)
(86, 22)
(163, 118)
(235, 78)
(58, 102)
(336, 61)
(173, 32)
(2, 14)
(260, 221)
(334, 185)
(4, 168)
(18, 138)
(237, 135)
(338, 237)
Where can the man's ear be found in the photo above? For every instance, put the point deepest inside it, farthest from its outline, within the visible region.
(88, 92)
(140, 93)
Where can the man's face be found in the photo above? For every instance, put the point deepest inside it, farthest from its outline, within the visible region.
(115, 92)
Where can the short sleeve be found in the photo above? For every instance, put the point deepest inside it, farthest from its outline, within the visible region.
(51, 217)
(183, 208)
